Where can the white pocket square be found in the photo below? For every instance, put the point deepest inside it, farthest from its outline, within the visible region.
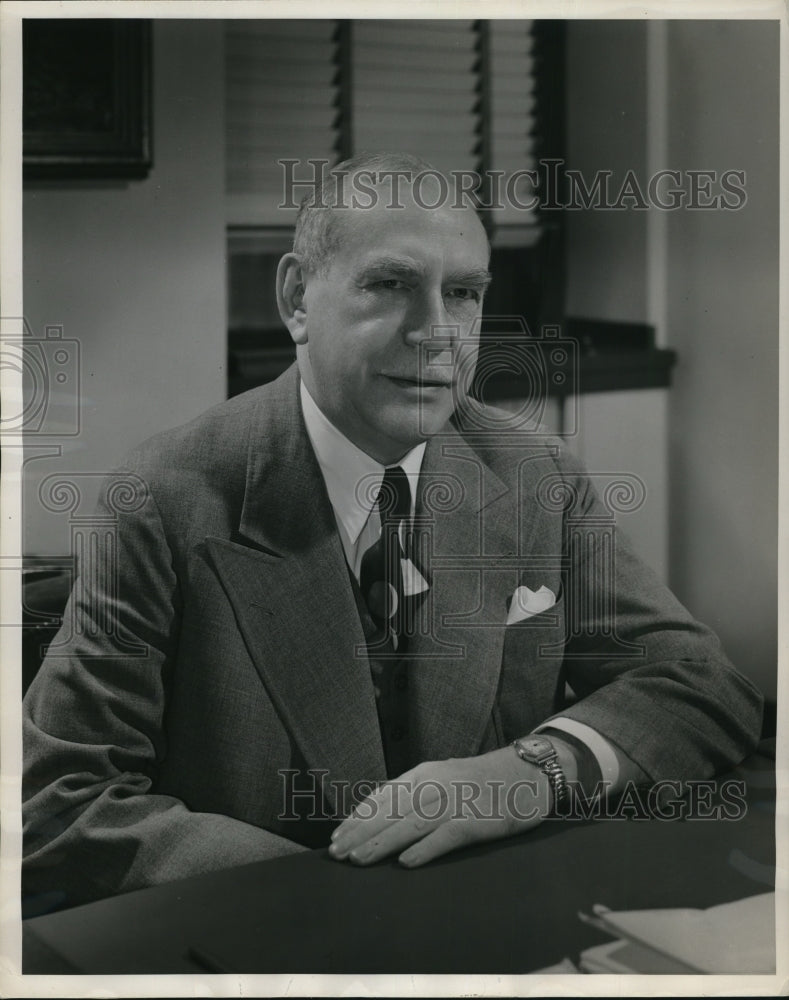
(526, 602)
(413, 581)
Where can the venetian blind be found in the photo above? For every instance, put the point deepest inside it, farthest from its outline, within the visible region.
(415, 87)
(513, 126)
(462, 94)
(282, 102)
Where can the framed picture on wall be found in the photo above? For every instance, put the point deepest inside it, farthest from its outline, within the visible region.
(86, 98)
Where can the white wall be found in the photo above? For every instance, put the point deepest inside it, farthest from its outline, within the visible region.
(607, 262)
(135, 272)
(689, 95)
(722, 308)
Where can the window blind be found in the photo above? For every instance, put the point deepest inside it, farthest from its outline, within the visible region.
(462, 94)
(513, 126)
(282, 102)
(415, 87)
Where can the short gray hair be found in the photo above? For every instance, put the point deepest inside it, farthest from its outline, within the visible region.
(317, 235)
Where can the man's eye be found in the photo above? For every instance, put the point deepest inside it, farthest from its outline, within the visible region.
(388, 284)
(465, 294)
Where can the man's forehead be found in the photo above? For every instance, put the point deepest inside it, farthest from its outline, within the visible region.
(411, 231)
(410, 202)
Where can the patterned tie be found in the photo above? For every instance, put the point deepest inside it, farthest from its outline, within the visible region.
(381, 576)
(381, 587)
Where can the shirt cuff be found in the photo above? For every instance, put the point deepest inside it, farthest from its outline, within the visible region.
(600, 748)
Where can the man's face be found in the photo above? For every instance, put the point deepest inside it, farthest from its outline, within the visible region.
(397, 275)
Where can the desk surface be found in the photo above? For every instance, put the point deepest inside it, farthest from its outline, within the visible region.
(507, 907)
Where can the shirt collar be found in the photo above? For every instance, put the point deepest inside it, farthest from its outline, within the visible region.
(344, 466)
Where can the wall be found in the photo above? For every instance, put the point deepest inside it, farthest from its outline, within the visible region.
(135, 272)
(607, 261)
(688, 95)
(722, 308)
(606, 130)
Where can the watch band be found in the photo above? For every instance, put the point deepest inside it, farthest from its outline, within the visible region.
(540, 751)
(590, 742)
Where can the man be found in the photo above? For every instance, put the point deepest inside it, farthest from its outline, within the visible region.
(276, 641)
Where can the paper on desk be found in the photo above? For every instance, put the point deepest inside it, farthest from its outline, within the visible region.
(628, 957)
(623, 957)
(735, 937)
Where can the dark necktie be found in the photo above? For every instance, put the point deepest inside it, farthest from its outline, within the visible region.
(381, 587)
(381, 576)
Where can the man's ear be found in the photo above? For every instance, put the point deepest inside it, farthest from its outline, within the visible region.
(290, 297)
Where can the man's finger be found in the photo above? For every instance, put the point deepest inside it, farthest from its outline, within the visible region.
(447, 837)
(393, 839)
(368, 819)
(388, 804)
(387, 810)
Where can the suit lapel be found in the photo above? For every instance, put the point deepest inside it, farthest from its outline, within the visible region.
(464, 521)
(287, 579)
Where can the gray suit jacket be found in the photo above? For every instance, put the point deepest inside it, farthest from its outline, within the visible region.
(213, 642)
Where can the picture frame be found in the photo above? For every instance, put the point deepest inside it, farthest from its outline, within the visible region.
(87, 103)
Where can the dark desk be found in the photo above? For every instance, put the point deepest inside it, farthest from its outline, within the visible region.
(508, 907)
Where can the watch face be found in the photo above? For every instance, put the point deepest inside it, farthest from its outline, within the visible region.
(535, 747)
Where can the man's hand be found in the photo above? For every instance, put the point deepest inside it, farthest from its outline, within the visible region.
(439, 806)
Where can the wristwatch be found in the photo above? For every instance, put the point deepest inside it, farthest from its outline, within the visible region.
(540, 751)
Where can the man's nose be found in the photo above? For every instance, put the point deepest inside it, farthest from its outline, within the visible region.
(427, 319)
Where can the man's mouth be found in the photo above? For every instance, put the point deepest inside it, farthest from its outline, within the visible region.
(420, 382)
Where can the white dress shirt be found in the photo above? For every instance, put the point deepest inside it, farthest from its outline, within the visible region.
(353, 481)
